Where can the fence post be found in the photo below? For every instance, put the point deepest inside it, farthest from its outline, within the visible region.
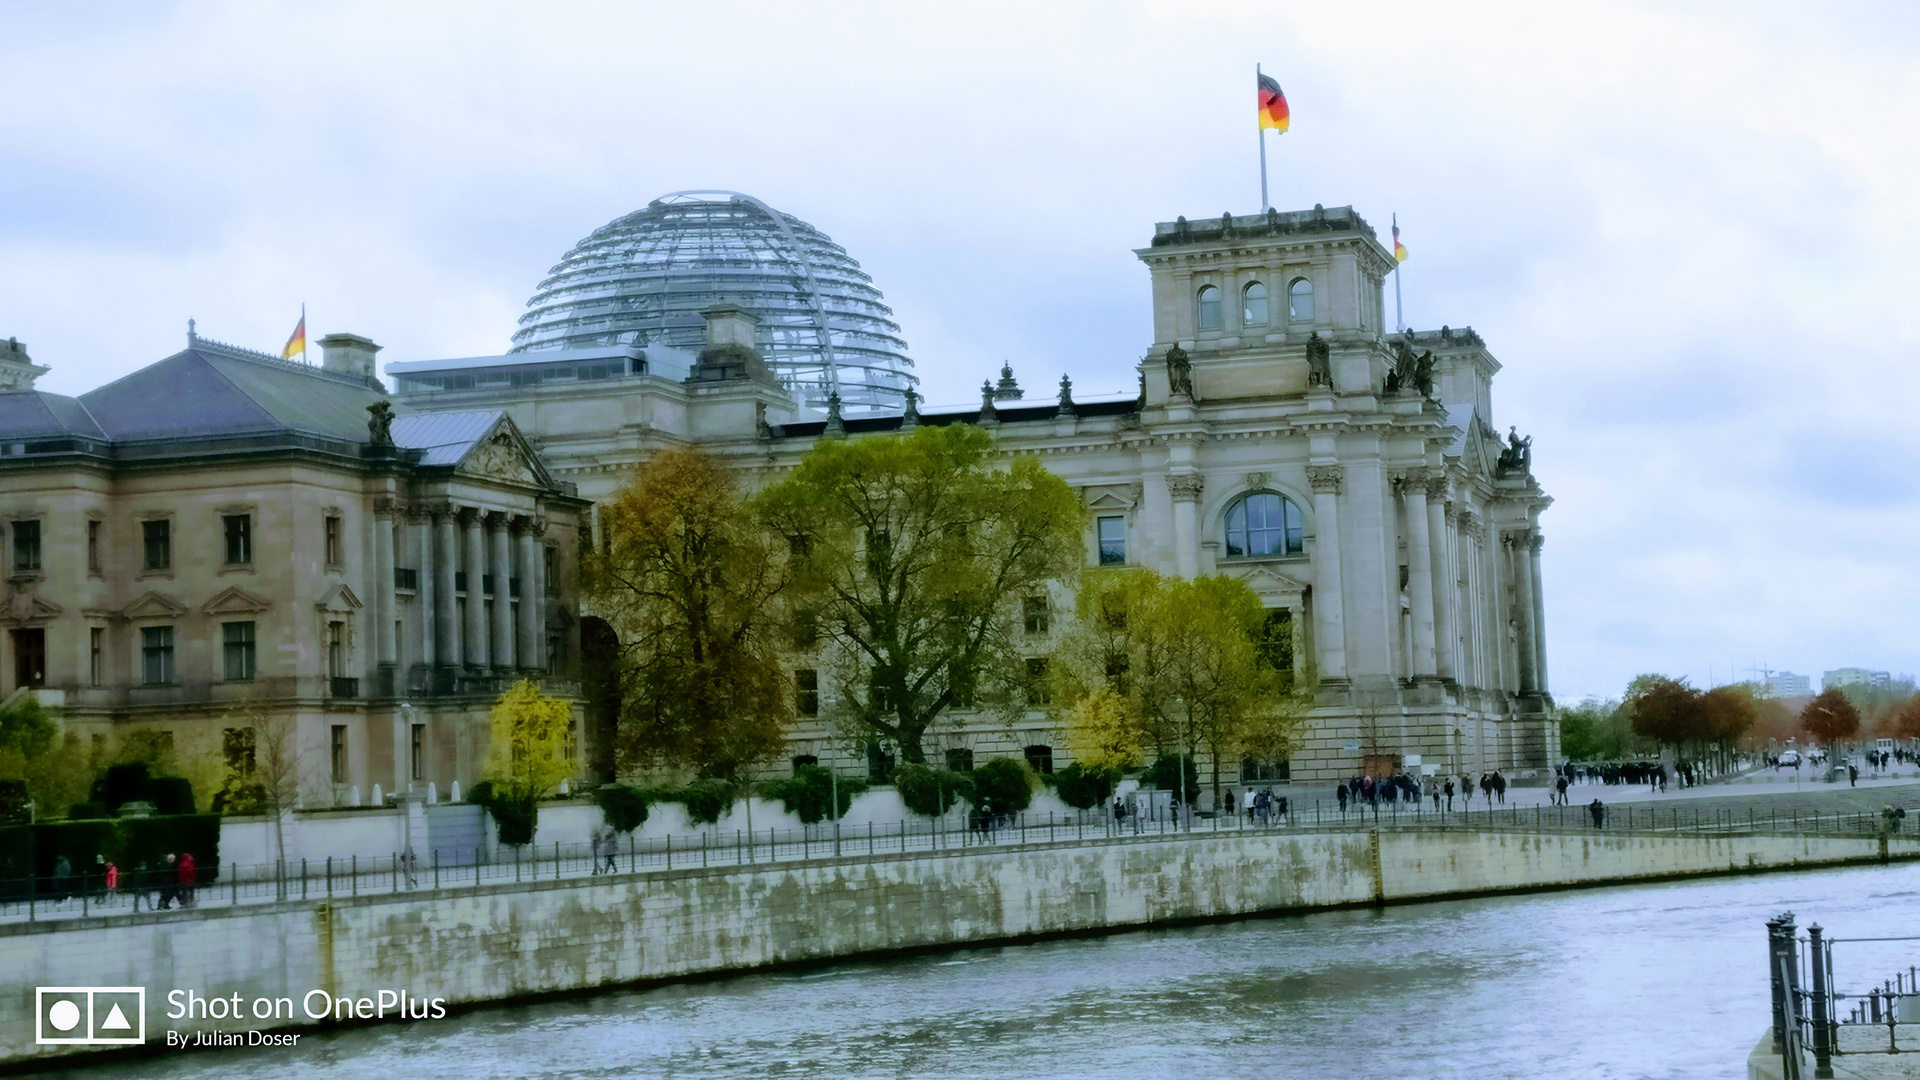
(1816, 965)
(393, 865)
(234, 880)
(329, 875)
(303, 877)
(436, 869)
(476, 868)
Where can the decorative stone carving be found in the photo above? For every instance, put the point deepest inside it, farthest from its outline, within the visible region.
(499, 459)
(380, 423)
(1438, 487)
(1179, 372)
(1325, 478)
(1537, 542)
(1009, 387)
(1256, 479)
(1319, 361)
(1518, 456)
(835, 425)
(1066, 397)
(988, 414)
(1410, 479)
(910, 418)
(761, 428)
(1185, 487)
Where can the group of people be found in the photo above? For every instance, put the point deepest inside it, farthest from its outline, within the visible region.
(1400, 788)
(175, 879)
(1260, 807)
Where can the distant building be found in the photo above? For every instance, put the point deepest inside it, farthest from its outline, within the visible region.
(1848, 677)
(1786, 684)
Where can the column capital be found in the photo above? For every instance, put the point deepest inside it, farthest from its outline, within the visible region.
(1186, 487)
(418, 512)
(537, 525)
(1325, 479)
(1537, 541)
(1438, 487)
(1411, 481)
(470, 516)
(385, 506)
(498, 519)
(442, 509)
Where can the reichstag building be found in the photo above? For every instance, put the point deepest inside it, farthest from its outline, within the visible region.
(225, 529)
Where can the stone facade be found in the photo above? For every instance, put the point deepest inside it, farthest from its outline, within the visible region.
(224, 532)
(1388, 521)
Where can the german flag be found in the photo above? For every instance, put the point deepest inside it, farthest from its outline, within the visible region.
(1273, 104)
(297, 344)
(1399, 249)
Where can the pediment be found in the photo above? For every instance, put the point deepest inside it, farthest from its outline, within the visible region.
(24, 609)
(1264, 579)
(236, 601)
(504, 454)
(154, 606)
(1115, 497)
(339, 598)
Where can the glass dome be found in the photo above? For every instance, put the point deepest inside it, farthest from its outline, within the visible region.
(643, 279)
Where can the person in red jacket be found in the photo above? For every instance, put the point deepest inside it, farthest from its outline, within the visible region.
(186, 879)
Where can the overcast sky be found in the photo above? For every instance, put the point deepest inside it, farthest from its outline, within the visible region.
(1687, 231)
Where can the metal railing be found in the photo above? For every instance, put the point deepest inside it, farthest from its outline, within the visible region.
(1815, 1014)
(440, 867)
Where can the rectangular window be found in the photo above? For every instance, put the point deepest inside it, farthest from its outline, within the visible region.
(156, 655)
(806, 692)
(1038, 692)
(26, 547)
(960, 759)
(417, 754)
(1036, 614)
(30, 657)
(338, 753)
(1113, 541)
(337, 650)
(552, 567)
(806, 629)
(93, 546)
(239, 539)
(156, 543)
(237, 743)
(556, 647)
(335, 537)
(96, 655)
(237, 650)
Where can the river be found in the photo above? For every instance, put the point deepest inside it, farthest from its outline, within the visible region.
(1631, 982)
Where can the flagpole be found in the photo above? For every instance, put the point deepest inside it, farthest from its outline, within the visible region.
(1399, 321)
(1260, 132)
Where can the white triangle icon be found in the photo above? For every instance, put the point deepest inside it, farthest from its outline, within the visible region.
(116, 1021)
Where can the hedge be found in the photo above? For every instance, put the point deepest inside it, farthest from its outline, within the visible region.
(1003, 786)
(809, 793)
(928, 791)
(129, 843)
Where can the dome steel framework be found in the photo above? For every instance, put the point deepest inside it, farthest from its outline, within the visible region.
(644, 279)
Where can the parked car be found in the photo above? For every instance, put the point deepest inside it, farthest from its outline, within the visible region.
(1790, 758)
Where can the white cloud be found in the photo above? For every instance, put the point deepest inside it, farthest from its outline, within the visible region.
(1686, 230)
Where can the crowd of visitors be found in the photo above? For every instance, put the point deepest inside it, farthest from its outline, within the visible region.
(173, 879)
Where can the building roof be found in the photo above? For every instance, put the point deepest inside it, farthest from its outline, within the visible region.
(445, 438)
(33, 414)
(212, 389)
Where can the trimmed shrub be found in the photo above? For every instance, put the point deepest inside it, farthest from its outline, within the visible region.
(1164, 774)
(808, 793)
(170, 795)
(516, 818)
(133, 844)
(86, 811)
(122, 784)
(1003, 786)
(706, 800)
(1083, 788)
(928, 791)
(625, 808)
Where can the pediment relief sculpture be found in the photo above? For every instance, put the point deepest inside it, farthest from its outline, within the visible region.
(154, 606)
(236, 601)
(339, 599)
(499, 457)
(26, 609)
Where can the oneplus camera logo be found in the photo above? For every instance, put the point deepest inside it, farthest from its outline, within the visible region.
(90, 1015)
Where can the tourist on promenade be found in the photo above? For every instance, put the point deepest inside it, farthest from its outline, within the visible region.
(612, 849)
(1559, 791)
(168, 888)
(109, 874)
(1434, 789)
(186, 879)
(1466, 792)
(1449, 790)
(1599, 811)
(1853, 775)
(1500, 786)
(593, 841)
(1486, 788)
(1341, 793)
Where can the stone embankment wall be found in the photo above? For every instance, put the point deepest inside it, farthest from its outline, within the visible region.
(499, 942)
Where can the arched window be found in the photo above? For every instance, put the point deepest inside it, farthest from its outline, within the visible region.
(1300, 300)
(1264, 524)
(1254, 304)
(1207, 308)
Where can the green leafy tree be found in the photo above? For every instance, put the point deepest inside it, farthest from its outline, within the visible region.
(930, 792)
(1596, 730)
(693, 588)
(52, 767)
(1083, 787)
(624, 808)
(1003, 786)
(910, 553)
(810, 792)
(527, 757)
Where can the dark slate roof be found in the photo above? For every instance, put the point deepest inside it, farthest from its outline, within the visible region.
(31, 414)
(1006, 415)
(205, 390)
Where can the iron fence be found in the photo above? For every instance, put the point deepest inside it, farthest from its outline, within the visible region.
(1825, 1012)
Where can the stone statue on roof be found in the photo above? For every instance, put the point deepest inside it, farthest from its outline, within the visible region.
(1179, 371)
(1518, 456)
(380, 423)
(1319, 361)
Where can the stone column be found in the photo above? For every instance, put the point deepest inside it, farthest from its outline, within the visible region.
(420, 553)
(538, 590)
(1446, 588)
(476, 566)
(501, 566)
(1328, 593)
(446, 629)
(528, 654)
(1539, 612)
(1370, 566)
(385, 602)
(1516, 544)
(1185, 489)
(1413, 488)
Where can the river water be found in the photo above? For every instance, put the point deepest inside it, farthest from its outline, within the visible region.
(1638, 981)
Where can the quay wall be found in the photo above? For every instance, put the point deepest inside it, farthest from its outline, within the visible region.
(499, 942)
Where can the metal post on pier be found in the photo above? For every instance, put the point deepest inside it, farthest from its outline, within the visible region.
(1822, 1005)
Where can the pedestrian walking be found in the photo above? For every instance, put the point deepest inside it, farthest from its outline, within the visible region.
(111, 874)
(168, 886)
(1449, 792)
(1341, 793)
(610, 851)
(1853, 775)
(1500, 787)
(593, 840)
(1599, 811)
(186, 879)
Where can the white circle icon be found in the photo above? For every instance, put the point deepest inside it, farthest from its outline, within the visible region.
(64, 1015)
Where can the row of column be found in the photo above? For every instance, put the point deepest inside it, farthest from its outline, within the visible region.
(501, 545)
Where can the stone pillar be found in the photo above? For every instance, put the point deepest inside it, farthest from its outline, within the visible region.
(539, 592)
(1516, 544)
(446, 629)
(1446, 589)
(1413, 488)
(385, 603)
(476, 566)
(420, 553)
(528, 654)
(1328, 593)
(500, 564)
(1369, 565)
(1185, 489)
(1539, 612)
